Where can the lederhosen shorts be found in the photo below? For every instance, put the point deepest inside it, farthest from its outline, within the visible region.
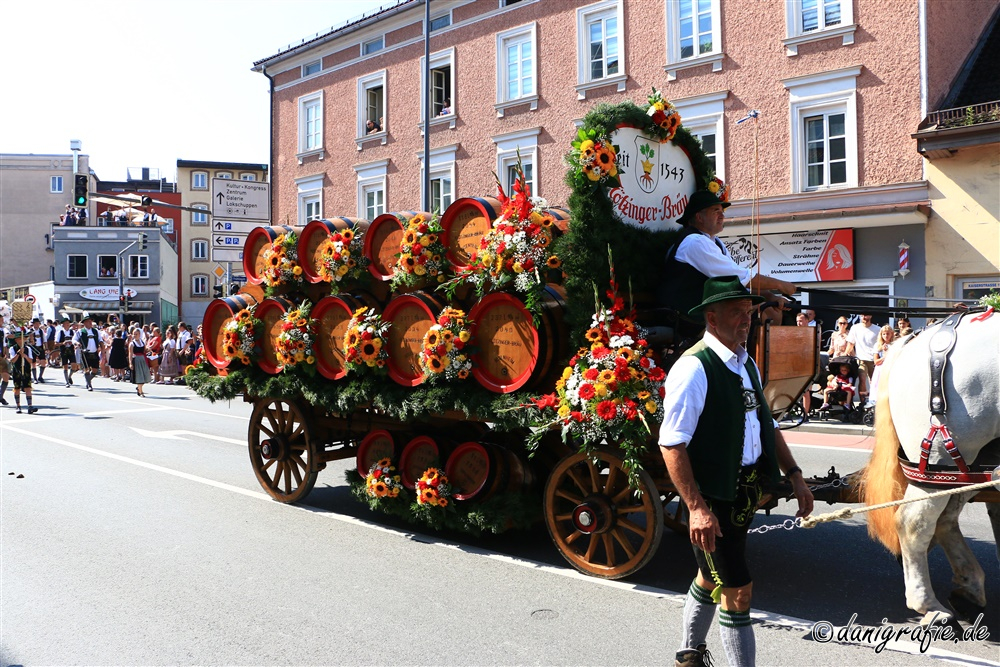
(4, 364)
(20, 380)
(91, 361)
(728, 561)
(67, 354)
(39, 352)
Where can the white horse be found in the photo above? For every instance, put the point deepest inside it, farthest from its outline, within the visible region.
(902, 415)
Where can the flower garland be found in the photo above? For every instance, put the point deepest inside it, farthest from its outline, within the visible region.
(281, 258)
(664, 114)
(383, 481)
(342, 258)
(200, 362)
(421, 252)
(593, 160)
(610, 390)
(433, 489)
(239, 336)
(516, 251)
(366, 341)
(298, 336)
(447, 347)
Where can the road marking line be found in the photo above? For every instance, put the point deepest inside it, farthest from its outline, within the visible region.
(136, 399)
(791, 622)
(863, 450)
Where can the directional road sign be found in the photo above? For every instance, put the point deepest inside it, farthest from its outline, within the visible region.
(228, 240)
(227, 254)
(242, 200)
(235, 226)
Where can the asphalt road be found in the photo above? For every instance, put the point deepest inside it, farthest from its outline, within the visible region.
(138, 535)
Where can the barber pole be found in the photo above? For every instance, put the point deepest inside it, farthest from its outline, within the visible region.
(904, 259)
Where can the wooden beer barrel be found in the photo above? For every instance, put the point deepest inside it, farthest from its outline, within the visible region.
(269, 312)
(218, 314)
(410, 315)
(312, 237)
(374, 447)
(333, 314)
(561, 217)
(478, 471)
(465, 224)
(512, 353)
(418, 455)
(382, 243)
(253, 249)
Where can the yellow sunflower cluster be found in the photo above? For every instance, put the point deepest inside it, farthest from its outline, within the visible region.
(366, 343)
(421, 252)
(719, 188)
(664, 114)
(447, 348)
(294, 344)
(597, 160)
(383, 481)
(433, 488)
(281, 259)
(239, 336)
(340, 258)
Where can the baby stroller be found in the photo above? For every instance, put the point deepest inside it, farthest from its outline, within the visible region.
(840, 403)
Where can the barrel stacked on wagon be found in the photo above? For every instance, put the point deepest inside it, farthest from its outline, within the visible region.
(314, 405)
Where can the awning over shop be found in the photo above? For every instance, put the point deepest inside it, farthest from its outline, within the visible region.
(92, 307)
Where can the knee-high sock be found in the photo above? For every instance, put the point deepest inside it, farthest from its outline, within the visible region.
(3, 388)
(41, 371)
(699, 612)
(737, 638)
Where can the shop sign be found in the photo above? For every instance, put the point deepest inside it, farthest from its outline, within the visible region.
(657, 180)
(814, 256)
(106, 293)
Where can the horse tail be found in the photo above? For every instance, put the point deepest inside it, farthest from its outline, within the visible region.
(882, 480)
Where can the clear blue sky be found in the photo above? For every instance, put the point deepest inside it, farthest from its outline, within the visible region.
(142, 83)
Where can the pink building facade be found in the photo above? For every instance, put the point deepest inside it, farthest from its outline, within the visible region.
(838, 87)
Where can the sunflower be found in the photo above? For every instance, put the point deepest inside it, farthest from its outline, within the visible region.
(642, 395)
(369, 350)
(553, 262)
(593, 335)
(410, 237)
(447, 336)
(436, 364)
(626, 353)
(605, 157)
(606, 376)
(432, 338)
(591, 173)
(352, 338)
(274, 260)
(408, 262)
(429, 239)
(462, 374)
(348, 235)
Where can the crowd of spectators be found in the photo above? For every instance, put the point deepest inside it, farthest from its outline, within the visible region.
(73, 217)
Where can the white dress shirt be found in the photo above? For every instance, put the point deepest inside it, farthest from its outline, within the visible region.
(687, 389)
(711, 257)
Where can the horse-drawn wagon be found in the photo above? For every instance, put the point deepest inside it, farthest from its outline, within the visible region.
(445, 356)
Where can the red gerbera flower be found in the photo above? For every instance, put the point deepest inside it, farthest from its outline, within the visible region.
(586, 391)
(606, 410)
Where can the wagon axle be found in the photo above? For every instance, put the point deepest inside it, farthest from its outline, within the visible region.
(596, 514)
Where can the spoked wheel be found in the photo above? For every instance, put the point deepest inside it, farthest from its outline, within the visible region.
(600, 525)
(281, 452)
(793, 417)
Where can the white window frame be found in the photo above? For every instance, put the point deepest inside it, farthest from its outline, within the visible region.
(318, 64)
(55, 184)
(306, 102)
(114, 261)
(135, 267)
(794, 35)
(248, 176)
(366, 83)
(674, 61)
(705, 114)
(508, 145)
(378, 208)
(441, 59)
(195, 178)
(227, 175)
(817, 93)
(86, 267)
(445, 15)
(380, 40)
(195, 245)
(197, 278)
(310, 191)
(442, 165)
(584, 16)
(518, 35)
(371, 177)
(199, 218)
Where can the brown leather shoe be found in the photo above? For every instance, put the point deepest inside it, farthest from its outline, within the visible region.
(693, 657)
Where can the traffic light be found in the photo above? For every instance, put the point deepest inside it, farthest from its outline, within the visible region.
(81, 185)
(142, 241)
(218, 291)
(122, 303)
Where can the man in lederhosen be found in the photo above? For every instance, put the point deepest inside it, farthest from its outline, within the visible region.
(36, 339)
(20, 356)
(89, 340)
(67, 353)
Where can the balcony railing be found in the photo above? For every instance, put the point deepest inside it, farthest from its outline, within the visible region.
(976, 114)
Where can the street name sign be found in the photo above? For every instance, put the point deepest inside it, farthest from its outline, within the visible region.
(242, 200)
(234, 226)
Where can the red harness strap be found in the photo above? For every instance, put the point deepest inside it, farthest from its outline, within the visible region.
(949, 445)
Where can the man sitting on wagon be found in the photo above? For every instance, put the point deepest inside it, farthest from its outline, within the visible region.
(699, 255)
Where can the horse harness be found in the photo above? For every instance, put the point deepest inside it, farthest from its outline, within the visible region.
(925, 473)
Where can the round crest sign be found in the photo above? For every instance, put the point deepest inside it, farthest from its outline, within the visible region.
(657, 180)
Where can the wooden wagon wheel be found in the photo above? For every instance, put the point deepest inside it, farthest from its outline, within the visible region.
(281, 450)
(597, 521)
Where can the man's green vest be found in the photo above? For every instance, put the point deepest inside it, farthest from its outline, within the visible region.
(716, 448)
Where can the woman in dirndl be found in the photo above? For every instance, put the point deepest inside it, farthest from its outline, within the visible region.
(169, 365)
(137, 362)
